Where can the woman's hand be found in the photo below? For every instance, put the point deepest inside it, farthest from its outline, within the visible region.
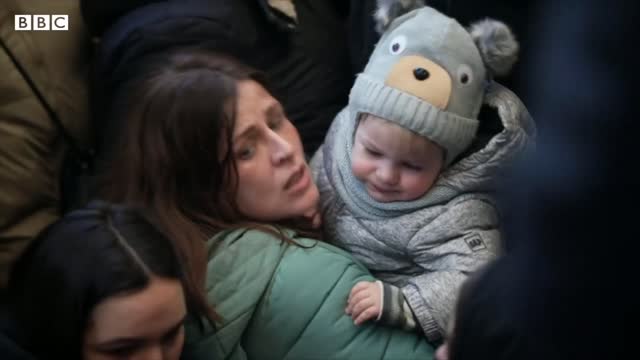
(365, 301)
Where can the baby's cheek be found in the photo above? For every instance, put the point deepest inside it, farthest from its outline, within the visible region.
(416, 186)
(361, 167)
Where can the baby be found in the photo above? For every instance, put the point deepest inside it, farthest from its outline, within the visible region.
(405, 182)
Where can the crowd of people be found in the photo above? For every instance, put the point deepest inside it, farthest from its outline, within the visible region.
(315, 179)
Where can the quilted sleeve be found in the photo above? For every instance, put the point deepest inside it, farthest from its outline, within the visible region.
(302, 315)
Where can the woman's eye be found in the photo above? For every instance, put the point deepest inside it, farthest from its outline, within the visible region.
(276, 123)
(276, 118)
(245, 153)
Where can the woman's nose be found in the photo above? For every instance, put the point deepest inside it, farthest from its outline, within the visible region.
(281, 149)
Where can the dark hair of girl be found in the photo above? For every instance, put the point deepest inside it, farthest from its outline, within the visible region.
(89, 255)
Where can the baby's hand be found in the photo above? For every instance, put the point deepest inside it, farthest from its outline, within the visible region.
(365, 301)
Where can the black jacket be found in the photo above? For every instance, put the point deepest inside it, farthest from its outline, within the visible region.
(309, 64)
(10, 348)
(566, 290)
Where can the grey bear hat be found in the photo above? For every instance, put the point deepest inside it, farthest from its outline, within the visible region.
(428, 74)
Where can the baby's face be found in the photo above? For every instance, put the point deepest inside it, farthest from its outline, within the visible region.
(394, 163)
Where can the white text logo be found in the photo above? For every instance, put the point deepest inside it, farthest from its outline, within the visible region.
(41, 22)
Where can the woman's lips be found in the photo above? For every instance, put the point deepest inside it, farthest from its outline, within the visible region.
(296, 179)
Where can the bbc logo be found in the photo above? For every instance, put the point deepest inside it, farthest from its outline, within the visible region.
(41, 22)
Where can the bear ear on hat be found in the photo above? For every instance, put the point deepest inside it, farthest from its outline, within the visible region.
(497, 44)
(389, 10)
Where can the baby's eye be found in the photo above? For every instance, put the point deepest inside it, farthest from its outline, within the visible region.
(397, 44)
(373, 153)
(412, 167)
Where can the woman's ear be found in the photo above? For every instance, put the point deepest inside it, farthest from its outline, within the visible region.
(389, 10)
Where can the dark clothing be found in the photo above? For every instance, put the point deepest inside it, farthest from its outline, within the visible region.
(565, 291)
(9, 350)
(307, 64)
(9, 347)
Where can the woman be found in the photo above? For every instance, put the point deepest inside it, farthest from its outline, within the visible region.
(101, 283)
(212, 155)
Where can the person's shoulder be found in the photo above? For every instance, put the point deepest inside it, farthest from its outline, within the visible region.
(246, 241)
(319, 254)
(250, 242)
(267, 241)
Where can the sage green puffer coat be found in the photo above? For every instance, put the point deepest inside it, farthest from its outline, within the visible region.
(282, 301)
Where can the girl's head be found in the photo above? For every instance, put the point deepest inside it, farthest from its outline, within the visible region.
(101, 283)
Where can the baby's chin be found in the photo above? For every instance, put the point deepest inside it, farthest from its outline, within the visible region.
(385, 198)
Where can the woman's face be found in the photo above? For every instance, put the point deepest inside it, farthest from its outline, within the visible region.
(274, 181)
(146, 324)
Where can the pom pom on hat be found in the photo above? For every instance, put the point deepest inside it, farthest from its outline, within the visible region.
(497, 45)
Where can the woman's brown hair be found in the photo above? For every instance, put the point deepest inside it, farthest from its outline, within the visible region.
(174, 155)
